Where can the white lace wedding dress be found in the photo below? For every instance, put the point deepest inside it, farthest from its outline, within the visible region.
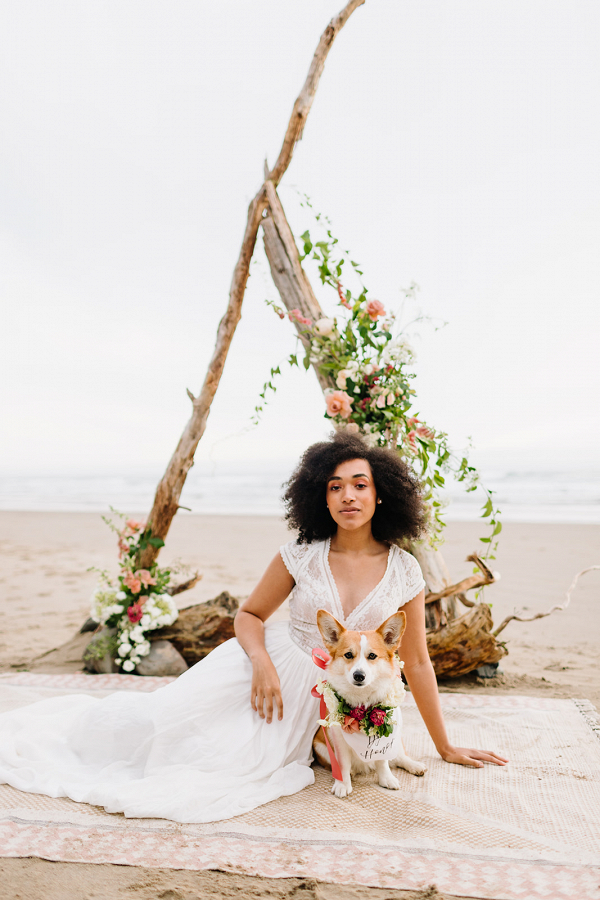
(194, 751)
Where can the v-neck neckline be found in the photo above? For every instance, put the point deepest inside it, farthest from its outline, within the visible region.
(334, 588)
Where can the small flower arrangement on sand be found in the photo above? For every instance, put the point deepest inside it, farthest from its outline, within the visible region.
(377, 720)
(139, 602)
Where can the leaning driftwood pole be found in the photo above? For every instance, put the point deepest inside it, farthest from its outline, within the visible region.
(168, 492)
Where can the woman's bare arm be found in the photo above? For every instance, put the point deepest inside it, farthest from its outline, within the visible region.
(270, 592)
(423, 685)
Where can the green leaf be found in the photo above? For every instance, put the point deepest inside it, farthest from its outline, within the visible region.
(488, 508)
(306, 362)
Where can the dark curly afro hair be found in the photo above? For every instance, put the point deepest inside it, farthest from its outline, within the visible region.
(400, 516)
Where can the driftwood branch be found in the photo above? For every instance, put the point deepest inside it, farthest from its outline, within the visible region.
(184, 585)
(307, 94)
(543, 615)
(467, 584)
(168, 492)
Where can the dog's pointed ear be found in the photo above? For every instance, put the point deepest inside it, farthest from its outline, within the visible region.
(393, 628)
(331, 630)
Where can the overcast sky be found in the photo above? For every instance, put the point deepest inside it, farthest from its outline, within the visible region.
(452, 144)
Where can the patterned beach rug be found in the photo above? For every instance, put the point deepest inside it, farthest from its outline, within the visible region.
(527, 831)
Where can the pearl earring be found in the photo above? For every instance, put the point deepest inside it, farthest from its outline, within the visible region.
(379, 501)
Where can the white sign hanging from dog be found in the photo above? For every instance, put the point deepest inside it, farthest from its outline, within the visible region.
(371, 748)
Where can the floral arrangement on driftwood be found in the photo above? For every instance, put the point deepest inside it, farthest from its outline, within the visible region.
(366, 358)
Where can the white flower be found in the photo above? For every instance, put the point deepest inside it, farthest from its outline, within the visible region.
(128, 665)
(121, 595)
(396, 694)
(390, 398)
(341, 378)
(352, 367)
(371, 439)
(352, 428)
(369, 369)
(146, 621)
(135, 660)
(324, 327)
(143, 649)
(125, 648)
(367, 428)
(398, 351)
(102, 600)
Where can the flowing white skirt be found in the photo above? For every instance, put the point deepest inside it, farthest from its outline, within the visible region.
(193, 751)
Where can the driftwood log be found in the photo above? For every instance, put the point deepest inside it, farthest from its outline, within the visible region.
(200, 628)
(168, 492)
(465, 643)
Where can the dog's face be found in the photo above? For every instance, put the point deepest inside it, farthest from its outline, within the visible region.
(360, 659)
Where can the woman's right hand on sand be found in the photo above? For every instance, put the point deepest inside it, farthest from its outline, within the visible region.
(266, 690)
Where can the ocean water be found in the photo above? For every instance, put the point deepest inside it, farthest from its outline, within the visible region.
(523, 496)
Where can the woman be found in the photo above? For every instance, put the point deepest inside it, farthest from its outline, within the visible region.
(236, 730)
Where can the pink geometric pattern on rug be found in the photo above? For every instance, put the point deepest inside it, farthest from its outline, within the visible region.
(313, 834)
(351, 864)
(79, 682)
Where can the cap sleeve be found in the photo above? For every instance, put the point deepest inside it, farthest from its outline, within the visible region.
(413, 579)
(294, 556)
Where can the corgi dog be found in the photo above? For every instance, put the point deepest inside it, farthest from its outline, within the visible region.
(362, 673)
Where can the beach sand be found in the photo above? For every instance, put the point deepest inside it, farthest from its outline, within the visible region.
(44, 599)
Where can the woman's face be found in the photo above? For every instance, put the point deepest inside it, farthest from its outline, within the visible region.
(351, 494)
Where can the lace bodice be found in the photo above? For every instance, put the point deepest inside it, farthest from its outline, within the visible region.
(315, 589)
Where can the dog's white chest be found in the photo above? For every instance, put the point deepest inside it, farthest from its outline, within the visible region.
(371, 748)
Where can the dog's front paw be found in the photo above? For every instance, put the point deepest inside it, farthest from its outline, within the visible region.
(340, 789)
(410, 765)
(389, 781)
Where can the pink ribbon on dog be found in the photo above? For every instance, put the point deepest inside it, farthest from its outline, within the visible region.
(321, 658)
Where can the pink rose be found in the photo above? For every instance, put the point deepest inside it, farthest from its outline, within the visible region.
(338, 404)
(132, 527)
(350, 725)
(135, 613)
(135, 526)
(375, 308)
(134, 584)
(145, 577)
(377, 716)
(359, 712)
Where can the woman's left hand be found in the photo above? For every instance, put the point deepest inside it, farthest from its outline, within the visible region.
(475, 758)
